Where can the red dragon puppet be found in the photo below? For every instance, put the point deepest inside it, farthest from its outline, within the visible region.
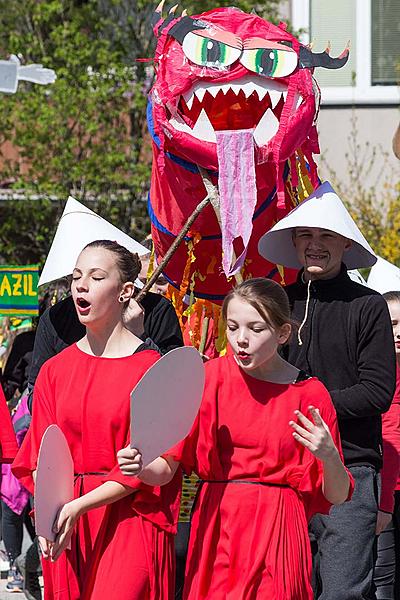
(234, 100)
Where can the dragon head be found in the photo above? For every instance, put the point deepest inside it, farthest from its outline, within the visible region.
(226, 70)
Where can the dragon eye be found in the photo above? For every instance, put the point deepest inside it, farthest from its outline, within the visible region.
(208, 52)
(270, 62)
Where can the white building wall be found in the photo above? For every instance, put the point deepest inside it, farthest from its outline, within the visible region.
(374, 125)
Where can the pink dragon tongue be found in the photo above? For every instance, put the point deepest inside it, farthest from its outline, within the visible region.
(237, 192)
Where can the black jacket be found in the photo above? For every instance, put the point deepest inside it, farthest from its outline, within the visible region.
(60, 327)
(347, 342)
(16, 369)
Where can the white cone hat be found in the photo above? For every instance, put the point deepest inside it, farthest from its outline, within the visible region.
(322, 209)
(78, 227)
(384, 277)
(356, 276)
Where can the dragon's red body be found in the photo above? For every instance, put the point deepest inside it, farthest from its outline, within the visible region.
(228, 71)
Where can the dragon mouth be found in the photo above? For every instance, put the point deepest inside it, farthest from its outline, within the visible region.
(246, 103)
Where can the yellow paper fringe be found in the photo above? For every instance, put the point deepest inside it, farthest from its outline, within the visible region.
(305, 187)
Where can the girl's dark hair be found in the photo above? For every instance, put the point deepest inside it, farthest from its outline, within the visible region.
(392, 296)
(128, 263)
(266, 296)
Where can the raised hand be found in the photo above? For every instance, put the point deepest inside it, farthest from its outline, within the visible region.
(134, 317)
(130, 461)
(314, 435)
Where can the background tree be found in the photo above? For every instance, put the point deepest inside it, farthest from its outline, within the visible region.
(86, 134)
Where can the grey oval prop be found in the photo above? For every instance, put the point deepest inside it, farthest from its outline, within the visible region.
(165, 402)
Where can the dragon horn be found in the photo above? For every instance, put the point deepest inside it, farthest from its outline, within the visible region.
(310, 60)
(157, 14)
(157, 20)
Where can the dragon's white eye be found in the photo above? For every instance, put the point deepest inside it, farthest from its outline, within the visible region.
(270, 61)
(208, 52)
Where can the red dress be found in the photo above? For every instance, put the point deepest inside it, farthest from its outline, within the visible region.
(249, 541)
(390, 474)
(123, 551)
(8, 442)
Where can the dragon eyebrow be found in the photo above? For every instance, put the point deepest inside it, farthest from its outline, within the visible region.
(185, 26)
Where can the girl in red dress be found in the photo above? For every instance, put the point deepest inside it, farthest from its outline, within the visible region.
(265, 466)
(120, 530)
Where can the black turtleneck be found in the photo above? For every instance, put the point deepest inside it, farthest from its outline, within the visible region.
(347, 342)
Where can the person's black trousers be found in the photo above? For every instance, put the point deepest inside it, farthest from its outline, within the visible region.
(181, 548)
(344, 543)
(12, 525)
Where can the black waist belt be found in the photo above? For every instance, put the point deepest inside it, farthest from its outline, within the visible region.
(80, 476)
(76, 475)
(282, 485)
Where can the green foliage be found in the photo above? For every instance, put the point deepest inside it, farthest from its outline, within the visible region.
(376, 206)
(269, 10)
(26, 228)
(85, 135)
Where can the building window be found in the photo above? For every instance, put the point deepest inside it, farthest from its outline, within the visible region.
(372, 74)
(334, 23)
(385, 42)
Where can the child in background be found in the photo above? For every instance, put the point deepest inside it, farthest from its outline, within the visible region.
(387, 569)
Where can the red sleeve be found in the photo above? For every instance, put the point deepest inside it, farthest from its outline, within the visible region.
(391, 456)
(198, 452)
(149, 492)
(158, 504)
(185, 451)
(8, 442)
(43, 415)
(311, 485)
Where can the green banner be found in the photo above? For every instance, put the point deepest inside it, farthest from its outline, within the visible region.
(18, 290)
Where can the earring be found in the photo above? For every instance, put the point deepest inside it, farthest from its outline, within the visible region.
(121, 299)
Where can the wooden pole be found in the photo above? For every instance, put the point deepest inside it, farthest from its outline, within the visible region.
(212, 197)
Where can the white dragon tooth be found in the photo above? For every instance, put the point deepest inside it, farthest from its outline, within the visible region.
(275, 97)
(266, 128)
(179, 124)
(237, 87)
(213, 89)
(203, 130)
(284, 94)
(200, 93)
(188, 97)
(261, 92)
(225, 88)
(248, 88)
(299, 100)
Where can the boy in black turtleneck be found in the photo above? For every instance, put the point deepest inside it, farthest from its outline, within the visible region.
(343, 339)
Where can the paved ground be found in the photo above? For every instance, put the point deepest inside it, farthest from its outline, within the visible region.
(4, 595)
